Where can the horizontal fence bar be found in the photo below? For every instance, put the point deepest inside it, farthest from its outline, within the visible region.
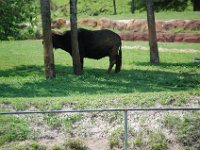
(99, 110)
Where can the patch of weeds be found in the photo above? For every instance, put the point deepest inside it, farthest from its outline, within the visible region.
(31, 146)
(116, 138)
(115, 116)
(138, 140)
(53, 120)
(157, 141)
(171, 121)
(75, 144)
(174, 100)
(57, 147)
(21, 106)
(56, 106)
(189, 131)
(13, 129)
(70, 120)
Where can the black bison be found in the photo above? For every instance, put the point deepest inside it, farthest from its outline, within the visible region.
(93, 44)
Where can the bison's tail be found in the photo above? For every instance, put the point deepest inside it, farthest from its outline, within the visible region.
(118, 60)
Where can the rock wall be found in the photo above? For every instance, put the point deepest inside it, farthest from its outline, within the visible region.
(137, 29)
(161, 37)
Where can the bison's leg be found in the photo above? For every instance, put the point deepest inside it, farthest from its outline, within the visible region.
(82, 62)
(112, 59)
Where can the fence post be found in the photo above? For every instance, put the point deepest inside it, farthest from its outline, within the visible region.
(125, 130)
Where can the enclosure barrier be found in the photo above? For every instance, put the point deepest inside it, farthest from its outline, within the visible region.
(125, 110)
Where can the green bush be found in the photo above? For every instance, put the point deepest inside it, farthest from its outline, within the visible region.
(12, 13)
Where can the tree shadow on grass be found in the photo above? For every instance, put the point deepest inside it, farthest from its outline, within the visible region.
(32, 83)
(163, 65)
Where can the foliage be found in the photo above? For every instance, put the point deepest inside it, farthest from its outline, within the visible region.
(12, 13)
(13, 129)
(159, 5)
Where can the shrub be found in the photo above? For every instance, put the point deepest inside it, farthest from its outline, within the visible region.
(12, 13)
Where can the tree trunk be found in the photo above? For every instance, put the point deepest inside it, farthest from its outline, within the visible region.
(132, 7)
(114, 5)
(154, 56)
(47, 39)
(196, 5)
(74, 39)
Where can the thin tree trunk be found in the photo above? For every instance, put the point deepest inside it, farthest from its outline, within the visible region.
(196, 5)
(154, 55)
(74, 39)
(132, 7)
(114, 5)
(47, 43)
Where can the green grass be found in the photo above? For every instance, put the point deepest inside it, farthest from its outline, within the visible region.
(13, 129)
(157, 141)
(23, 85)
(70, 120)
(115, 139)
(22, 73)
(187, 129)
(163, 15)
(104, 8)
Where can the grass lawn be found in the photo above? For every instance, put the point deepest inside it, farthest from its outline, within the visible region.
(164, 15)
(174, 82)
(22, 75)
(104, 8)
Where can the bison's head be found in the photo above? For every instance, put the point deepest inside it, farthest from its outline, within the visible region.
(56, 38)
(61, 40)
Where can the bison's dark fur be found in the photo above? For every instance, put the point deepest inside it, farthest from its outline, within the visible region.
(93, 44)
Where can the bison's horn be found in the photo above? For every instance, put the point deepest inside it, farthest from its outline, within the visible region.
(56, 32)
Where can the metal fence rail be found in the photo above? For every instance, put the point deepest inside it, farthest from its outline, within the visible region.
(125, 110)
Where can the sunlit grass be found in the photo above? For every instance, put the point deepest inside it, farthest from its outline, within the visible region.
(22, 75)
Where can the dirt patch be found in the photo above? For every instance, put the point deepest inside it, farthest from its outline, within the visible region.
(96, 128)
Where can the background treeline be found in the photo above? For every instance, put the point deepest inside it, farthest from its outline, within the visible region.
(17, 14)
